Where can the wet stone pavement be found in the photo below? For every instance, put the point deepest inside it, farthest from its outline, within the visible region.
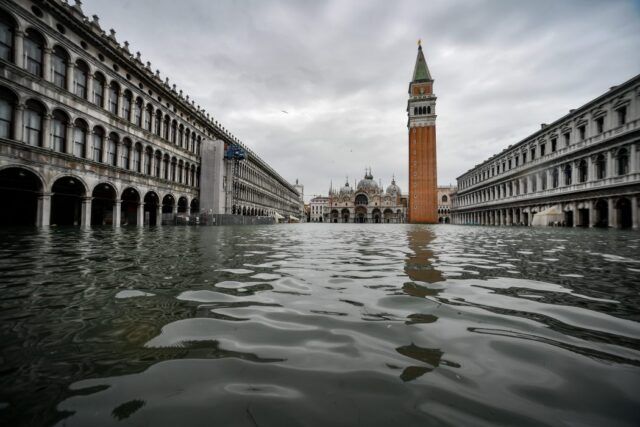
(319, 324)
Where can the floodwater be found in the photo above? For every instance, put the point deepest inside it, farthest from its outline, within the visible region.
(320, 324)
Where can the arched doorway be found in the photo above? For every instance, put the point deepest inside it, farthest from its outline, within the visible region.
(168, 202)
(602, 213)
(104, 199)
(129, 208)
(388, 216)
(345, 215)
(66, 201)
(195, 207)
(335, 215)
(376, 216)
(182, 205)
(151, 207)
(360, 215)
(19, 190)
(623, 213)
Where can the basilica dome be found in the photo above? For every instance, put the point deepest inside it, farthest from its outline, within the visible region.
(393, 189)
(346, 189)
(368, 184)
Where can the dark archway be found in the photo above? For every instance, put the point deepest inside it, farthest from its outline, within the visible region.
(104, 199)
(195, 207)
(623, 213)
(19, 190)
(602, 213)
(182, 205)
(66, 201)
(151, 205)
(129, 209)
(168, 202)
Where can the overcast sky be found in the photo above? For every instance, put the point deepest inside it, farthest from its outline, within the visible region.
(319, 88)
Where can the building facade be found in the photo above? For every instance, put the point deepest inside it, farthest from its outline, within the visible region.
(319, 209)
(367, 203)
(444, 203)
(421, 110)
(585, 165)
(89, 134)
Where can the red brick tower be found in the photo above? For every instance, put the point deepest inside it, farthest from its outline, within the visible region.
(421, 109)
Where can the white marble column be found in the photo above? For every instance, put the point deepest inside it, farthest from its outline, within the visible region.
(18, 122)
(117, 211)
(140, 215)
(46, 64)
(85, 219)
(159, 215)
(18, 39)
(611, 213)
(69, 77)
(69, 139)
(46, 131)
(44, 210)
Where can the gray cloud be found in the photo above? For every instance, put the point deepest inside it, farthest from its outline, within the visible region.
(341, 70)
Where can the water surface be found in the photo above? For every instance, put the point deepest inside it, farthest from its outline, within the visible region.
(319, 324)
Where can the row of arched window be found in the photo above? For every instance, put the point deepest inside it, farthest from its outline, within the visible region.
(421, 110)
(523, 155)
(77, 78)
(552, 178)
(58, 133)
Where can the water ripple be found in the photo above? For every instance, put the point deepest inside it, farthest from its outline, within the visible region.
(319, 324)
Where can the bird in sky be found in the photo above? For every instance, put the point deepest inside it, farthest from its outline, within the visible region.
(286, 112)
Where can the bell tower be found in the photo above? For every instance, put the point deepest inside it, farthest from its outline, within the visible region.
(421, 109)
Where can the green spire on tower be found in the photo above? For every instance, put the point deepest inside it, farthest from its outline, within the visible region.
(421, 71)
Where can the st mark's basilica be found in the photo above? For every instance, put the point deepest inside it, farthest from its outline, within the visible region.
(368, 202)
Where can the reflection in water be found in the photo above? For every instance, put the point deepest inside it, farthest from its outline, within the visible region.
(419, 266)
(314, 324)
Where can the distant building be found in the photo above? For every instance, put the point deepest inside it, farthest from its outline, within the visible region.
(300, 189)
(318, 209)
(585, 165)
(444, 203)
(367, 203)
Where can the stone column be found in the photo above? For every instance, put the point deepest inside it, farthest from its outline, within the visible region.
(18, 49)
(575, 170)
(70, 87)
(18, 122)
(611, 212)
(140, 215)
(105, 149)
(538, 182)
(152, 119)
(592, 214)
(117, 211)
(90, 89)
(574, 208)
(120, 111)
(69, 139)
(44, 209)
(46, 64)
(549, 178)
(610, 169)
(159, 215)
(85, 211)
(633, 159)
(634, 212)
(46, 131)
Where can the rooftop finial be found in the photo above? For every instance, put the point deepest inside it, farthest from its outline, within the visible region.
(419, 42)
(112, 33)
